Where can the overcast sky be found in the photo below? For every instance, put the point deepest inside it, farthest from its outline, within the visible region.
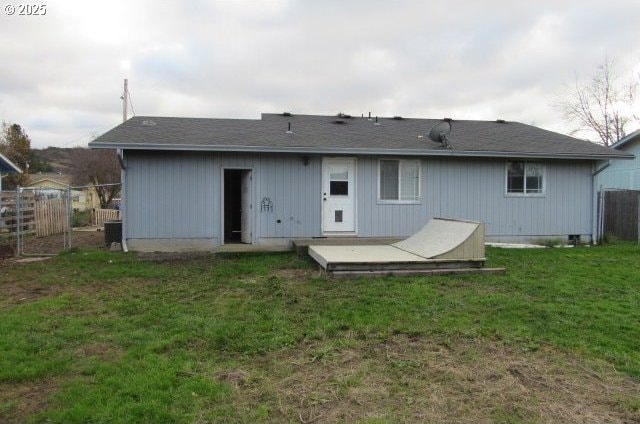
(61, 74)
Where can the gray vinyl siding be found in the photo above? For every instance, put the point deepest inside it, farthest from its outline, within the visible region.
(177, 195)
(475, 190)
(170, 196)
(622, 174)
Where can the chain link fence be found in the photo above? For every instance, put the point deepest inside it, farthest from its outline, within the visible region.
(48, 221)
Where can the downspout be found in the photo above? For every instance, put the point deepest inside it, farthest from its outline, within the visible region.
(123, 197)
(602, 168)
(598, 209)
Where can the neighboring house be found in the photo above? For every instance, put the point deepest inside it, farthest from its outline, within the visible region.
(54, 185)
(7, 167)
(622, 174)
(196, 184)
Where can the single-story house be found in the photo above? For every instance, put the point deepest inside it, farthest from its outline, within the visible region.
(53, 185)
(622, 174)
(198, 184)
(7, 167)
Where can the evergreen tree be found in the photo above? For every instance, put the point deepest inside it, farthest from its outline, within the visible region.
(15, 144)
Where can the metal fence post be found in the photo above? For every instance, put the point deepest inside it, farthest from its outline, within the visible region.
(69, 213)
(603, 196)
(18, 223)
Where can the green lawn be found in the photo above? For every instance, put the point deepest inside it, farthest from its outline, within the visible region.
(93, 336)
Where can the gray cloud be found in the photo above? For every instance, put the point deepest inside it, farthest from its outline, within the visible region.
(62, 73)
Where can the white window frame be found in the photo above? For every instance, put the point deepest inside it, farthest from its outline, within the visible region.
(398, 201)
(524, 193)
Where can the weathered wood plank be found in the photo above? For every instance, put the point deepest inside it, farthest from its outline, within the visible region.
(408, 272)
(100, 216)
(621, 214)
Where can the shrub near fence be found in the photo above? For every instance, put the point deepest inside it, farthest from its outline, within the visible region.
(102, 215)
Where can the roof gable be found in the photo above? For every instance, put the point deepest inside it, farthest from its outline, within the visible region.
(49, 180)
(47, 183)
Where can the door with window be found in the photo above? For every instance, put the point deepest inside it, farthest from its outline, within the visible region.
(339, 195)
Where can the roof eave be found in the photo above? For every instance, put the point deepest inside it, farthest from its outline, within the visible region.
(6, 160)
(626, 140)
(353, 151)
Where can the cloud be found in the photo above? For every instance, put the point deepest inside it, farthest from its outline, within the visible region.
(62, 73)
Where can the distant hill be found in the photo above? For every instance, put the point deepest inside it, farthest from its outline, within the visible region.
(54, 159)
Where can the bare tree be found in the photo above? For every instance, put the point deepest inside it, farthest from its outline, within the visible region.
(97, 167)
(599, 106)
(632, 98)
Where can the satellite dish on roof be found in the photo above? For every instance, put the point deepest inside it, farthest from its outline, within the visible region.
(439, 133)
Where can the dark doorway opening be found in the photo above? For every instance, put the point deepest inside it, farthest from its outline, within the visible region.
(232, 205)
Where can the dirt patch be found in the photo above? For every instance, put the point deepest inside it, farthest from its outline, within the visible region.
(55, 243)
(236, 377)
(20, 401)
(102, 351)
(413, 379)
(23, 292)
(295, 274)
(27, 288)
(7, 249)
(174, 257)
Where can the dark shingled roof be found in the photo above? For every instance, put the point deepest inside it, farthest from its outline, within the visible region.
(353, 135)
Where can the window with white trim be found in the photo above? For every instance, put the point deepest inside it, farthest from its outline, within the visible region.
(525, 178)
(399, 180)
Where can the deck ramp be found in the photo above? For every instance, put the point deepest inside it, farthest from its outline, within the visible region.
(442, 245)
(446, 238)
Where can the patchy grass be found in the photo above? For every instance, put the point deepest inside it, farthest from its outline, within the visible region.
(94, 336)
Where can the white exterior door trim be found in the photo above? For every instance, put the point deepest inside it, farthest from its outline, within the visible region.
(352, 189)
(253, 217)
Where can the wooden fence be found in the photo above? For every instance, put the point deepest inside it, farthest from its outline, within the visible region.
(9, 219)
(51, 216)
(621, 214)
(99, 216)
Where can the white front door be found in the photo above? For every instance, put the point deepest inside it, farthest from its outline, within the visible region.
(246, 207)
(338, 195)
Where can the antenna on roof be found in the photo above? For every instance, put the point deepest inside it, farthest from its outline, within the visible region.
(440, 131)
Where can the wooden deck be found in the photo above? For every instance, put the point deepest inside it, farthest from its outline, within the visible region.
(301, 246)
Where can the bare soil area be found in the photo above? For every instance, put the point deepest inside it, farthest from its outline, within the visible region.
(55, 243)
(25, 399)
(414, 379)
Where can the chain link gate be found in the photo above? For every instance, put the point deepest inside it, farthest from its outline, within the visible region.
(44, 219)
